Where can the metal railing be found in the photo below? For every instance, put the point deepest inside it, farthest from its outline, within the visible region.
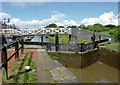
(43, 31)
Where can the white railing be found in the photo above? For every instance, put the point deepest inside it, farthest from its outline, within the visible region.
(37, 31)
(11, 31)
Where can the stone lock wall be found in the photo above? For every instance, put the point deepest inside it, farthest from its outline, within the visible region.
(80, 34)
(73, 60)
(85, 59)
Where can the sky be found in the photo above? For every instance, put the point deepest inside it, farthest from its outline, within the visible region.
(40, 14)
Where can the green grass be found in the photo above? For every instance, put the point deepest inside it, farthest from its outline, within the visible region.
(54, 58)
(82, 41)
(108, 42)
(3, 72)
(62, 38)
(19, 73)
(76, 51)
(107, 32)
(113, 47)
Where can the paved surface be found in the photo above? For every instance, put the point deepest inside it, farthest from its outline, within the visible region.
(48, 70)
(51, 71)
(32, 46)
(42, 75)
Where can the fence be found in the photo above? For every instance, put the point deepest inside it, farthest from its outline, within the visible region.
(4, 59)
(80, 47)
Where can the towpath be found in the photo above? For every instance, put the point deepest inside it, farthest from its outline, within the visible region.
(51, 71)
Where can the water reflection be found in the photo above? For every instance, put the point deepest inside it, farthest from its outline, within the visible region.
(96, 73)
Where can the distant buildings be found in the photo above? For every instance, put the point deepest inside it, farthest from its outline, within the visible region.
(5, 26)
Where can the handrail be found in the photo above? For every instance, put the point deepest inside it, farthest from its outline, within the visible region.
(13, 54)
(11, 43)
(4, 58)
(10, 57)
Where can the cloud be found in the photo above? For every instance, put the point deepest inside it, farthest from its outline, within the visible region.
(37, 23)
(104, 19)
(61, 20)
(4, 15)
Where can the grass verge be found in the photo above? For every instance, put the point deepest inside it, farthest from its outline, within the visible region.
(18, 73)
(62, 38)
(108, 45)
(82, 41)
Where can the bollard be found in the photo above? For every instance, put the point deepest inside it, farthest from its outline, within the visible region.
(57, 42)
(84, 41)
(42, 39)
(99, 38)
(69, 38)
(94, 40)
(82, 47)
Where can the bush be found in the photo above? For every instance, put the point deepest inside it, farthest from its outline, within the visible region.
(54, 58)
(76, 51)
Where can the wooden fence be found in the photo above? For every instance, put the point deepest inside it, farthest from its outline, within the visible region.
(4, 59)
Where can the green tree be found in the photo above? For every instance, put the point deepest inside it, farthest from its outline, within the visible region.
(97, 28)
(116, 33)
(98, 25)
(60, 26)
(51, 25)
(82, 27)
(13, 25)
(110, 26)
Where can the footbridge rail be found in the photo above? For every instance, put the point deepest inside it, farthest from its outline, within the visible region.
(37, 31)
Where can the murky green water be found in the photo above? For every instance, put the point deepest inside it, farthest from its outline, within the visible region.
(96, 73)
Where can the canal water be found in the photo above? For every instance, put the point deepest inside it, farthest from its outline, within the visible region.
(96, 73)
(45, 39)
(38, 39)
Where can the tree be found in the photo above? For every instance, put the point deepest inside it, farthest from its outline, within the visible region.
(13, 25)
(110, 26)
(51, 26)
(97, 28)
(98, 25)
(116, 33)
(60, 26)
(82, 27)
